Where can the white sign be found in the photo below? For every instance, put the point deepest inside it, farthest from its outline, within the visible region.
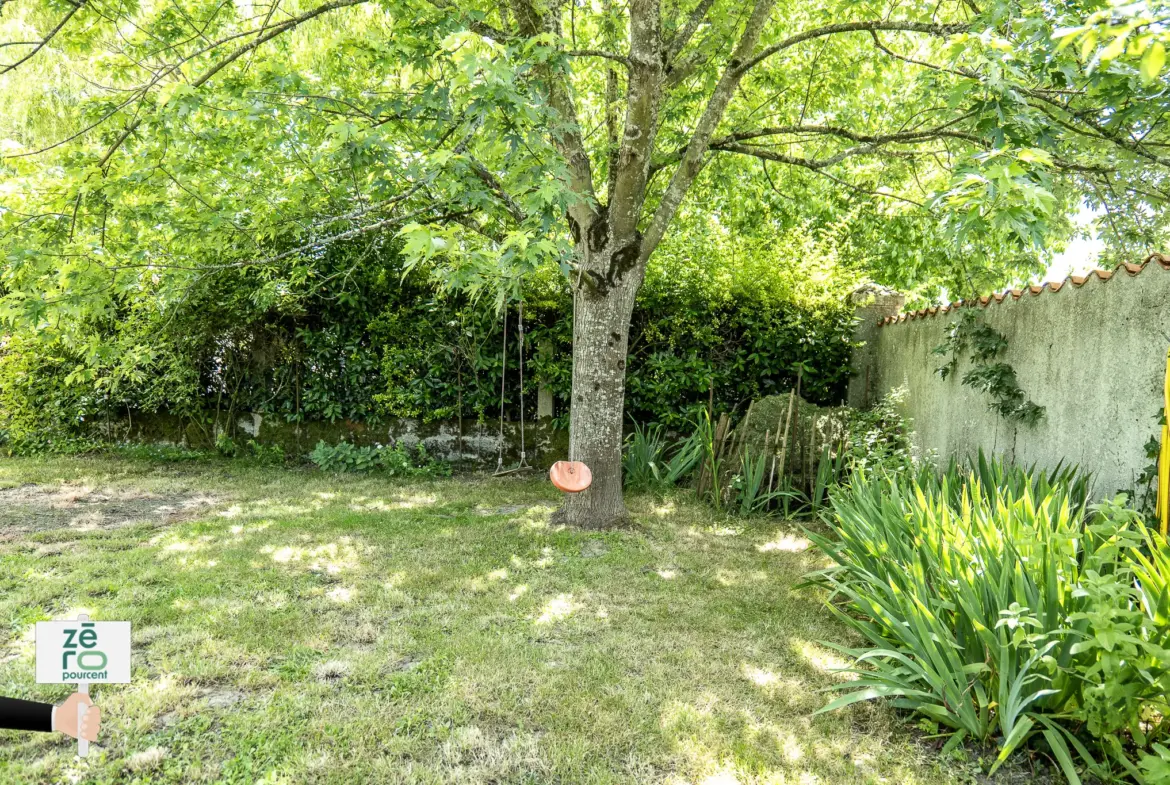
(83, 652)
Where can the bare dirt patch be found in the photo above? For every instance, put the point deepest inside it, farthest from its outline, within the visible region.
(33, 508)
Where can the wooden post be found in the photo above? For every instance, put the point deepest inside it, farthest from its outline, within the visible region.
(787, 426)
(544, 395)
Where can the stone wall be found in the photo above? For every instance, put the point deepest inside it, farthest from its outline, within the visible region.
(1091, 350)
(472, 443)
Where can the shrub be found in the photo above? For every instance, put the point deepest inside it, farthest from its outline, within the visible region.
(41, 407)
(1010, 613)
(395, 461)
(645, 464)
(879, 437)
(642, 458)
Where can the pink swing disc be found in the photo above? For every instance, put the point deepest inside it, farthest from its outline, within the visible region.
(570, 476)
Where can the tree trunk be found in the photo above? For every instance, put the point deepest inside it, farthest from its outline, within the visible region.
(601, 329)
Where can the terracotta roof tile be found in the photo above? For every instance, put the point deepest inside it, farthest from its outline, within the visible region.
(1163, 261)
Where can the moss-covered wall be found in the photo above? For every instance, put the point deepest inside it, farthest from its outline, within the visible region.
(475, 443)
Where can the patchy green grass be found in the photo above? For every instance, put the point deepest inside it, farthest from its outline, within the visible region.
(291, 626)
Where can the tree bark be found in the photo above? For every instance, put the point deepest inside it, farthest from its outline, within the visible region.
(601, 327)
(613, 253)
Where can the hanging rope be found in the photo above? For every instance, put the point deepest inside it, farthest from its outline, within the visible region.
(503, 378)
(523, 456)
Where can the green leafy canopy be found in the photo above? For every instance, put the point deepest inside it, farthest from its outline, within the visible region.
(145, 147)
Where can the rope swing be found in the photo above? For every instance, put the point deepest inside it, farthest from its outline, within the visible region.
(523, 465)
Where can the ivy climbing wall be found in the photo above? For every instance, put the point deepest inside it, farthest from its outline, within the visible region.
(1091, 351)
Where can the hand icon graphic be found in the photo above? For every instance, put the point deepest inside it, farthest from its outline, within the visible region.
(65, 717)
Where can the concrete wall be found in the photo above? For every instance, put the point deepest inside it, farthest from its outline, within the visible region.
(1092, 352)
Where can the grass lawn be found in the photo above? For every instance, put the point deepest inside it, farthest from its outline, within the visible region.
(292, 626)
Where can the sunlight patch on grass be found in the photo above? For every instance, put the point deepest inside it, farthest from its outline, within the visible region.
(558, 609)
(759, 677)
(483, 583)
(240, 530)
(330, 557)
(731, 578)
(366, 504)
(785, 543)
(790, 747)
(184, 547)
(824, 660)
(535, 518)
(776, 686)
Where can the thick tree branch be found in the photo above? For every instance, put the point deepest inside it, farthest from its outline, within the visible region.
(794, 160)
(643, 99)
(853, 27)
(855, 136)
(692, 161)
(870, 142)
(611, 131)
(683, 37)
(1094, 130)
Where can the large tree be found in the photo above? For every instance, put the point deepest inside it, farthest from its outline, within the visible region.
(153, 144)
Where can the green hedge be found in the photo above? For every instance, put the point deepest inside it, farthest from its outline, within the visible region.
(361, 343)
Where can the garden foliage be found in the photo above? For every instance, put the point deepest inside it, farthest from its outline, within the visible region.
(752, 474)
(394, 461)
(998, 604)
(362, 343)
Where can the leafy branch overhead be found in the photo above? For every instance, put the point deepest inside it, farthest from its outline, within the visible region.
(193, 136)
(995, 379)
